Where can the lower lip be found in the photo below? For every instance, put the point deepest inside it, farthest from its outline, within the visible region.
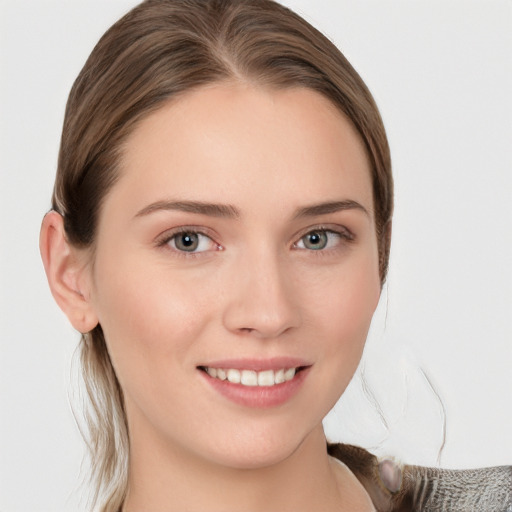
(258, 396)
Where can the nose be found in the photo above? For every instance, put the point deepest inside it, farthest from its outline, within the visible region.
(262, 301)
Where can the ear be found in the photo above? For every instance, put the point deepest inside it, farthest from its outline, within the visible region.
(67, 272)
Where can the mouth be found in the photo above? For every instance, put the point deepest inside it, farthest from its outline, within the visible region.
(252, 378)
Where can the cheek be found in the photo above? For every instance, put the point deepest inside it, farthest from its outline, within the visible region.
(149, 313)
(337, 317)
(344, 308)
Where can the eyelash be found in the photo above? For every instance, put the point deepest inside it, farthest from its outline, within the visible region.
(344, 235)
(167, 237)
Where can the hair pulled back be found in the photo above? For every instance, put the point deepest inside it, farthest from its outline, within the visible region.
(159, 50)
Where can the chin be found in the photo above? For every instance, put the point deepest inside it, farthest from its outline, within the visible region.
(261, 449)
(254, 458)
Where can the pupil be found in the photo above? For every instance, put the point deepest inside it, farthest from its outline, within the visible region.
(187, 242)
(316, 240)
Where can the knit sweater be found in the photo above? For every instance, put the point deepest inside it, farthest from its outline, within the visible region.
(405, 488)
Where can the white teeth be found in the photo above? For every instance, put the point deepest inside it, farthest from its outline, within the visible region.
(234, 376)
(279, 377)
(289, 374)
(249, 378)
(266, 378)
(252, 378)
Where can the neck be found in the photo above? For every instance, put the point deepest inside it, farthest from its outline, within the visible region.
(169, 479)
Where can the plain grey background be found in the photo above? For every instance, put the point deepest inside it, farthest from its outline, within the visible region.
(442, 77)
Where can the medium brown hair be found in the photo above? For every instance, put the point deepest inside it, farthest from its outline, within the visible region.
(159, 50)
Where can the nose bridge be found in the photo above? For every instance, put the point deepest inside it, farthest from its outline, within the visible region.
(263, 300)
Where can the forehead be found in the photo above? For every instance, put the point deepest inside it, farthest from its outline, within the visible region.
(237, 143)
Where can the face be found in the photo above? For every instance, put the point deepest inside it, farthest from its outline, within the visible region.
(238, 244)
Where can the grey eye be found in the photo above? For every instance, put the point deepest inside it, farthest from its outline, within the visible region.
(188, 242)
(191, 242)
(320, 239)
(316, 240)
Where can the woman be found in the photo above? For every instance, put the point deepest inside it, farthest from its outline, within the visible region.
(220, 234)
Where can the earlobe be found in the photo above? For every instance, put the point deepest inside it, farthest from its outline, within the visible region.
(67, 274)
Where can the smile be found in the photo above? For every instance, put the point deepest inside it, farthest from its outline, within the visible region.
(265, 378)
(256, 383)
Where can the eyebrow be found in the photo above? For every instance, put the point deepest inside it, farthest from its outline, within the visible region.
(210, 209)
(230, 211)
(329, 207)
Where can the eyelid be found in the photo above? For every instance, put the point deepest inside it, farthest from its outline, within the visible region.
(164, 238)
(345, 237)
(343, 231)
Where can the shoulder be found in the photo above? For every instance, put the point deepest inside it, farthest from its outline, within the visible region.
(394, 487)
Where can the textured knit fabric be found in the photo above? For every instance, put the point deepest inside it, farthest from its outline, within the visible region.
(423, 489)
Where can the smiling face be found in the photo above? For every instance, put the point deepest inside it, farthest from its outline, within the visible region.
(238, 243)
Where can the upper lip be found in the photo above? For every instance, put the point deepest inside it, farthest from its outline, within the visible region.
(258, 365)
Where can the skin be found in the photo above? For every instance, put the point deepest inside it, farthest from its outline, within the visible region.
(253, 291)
